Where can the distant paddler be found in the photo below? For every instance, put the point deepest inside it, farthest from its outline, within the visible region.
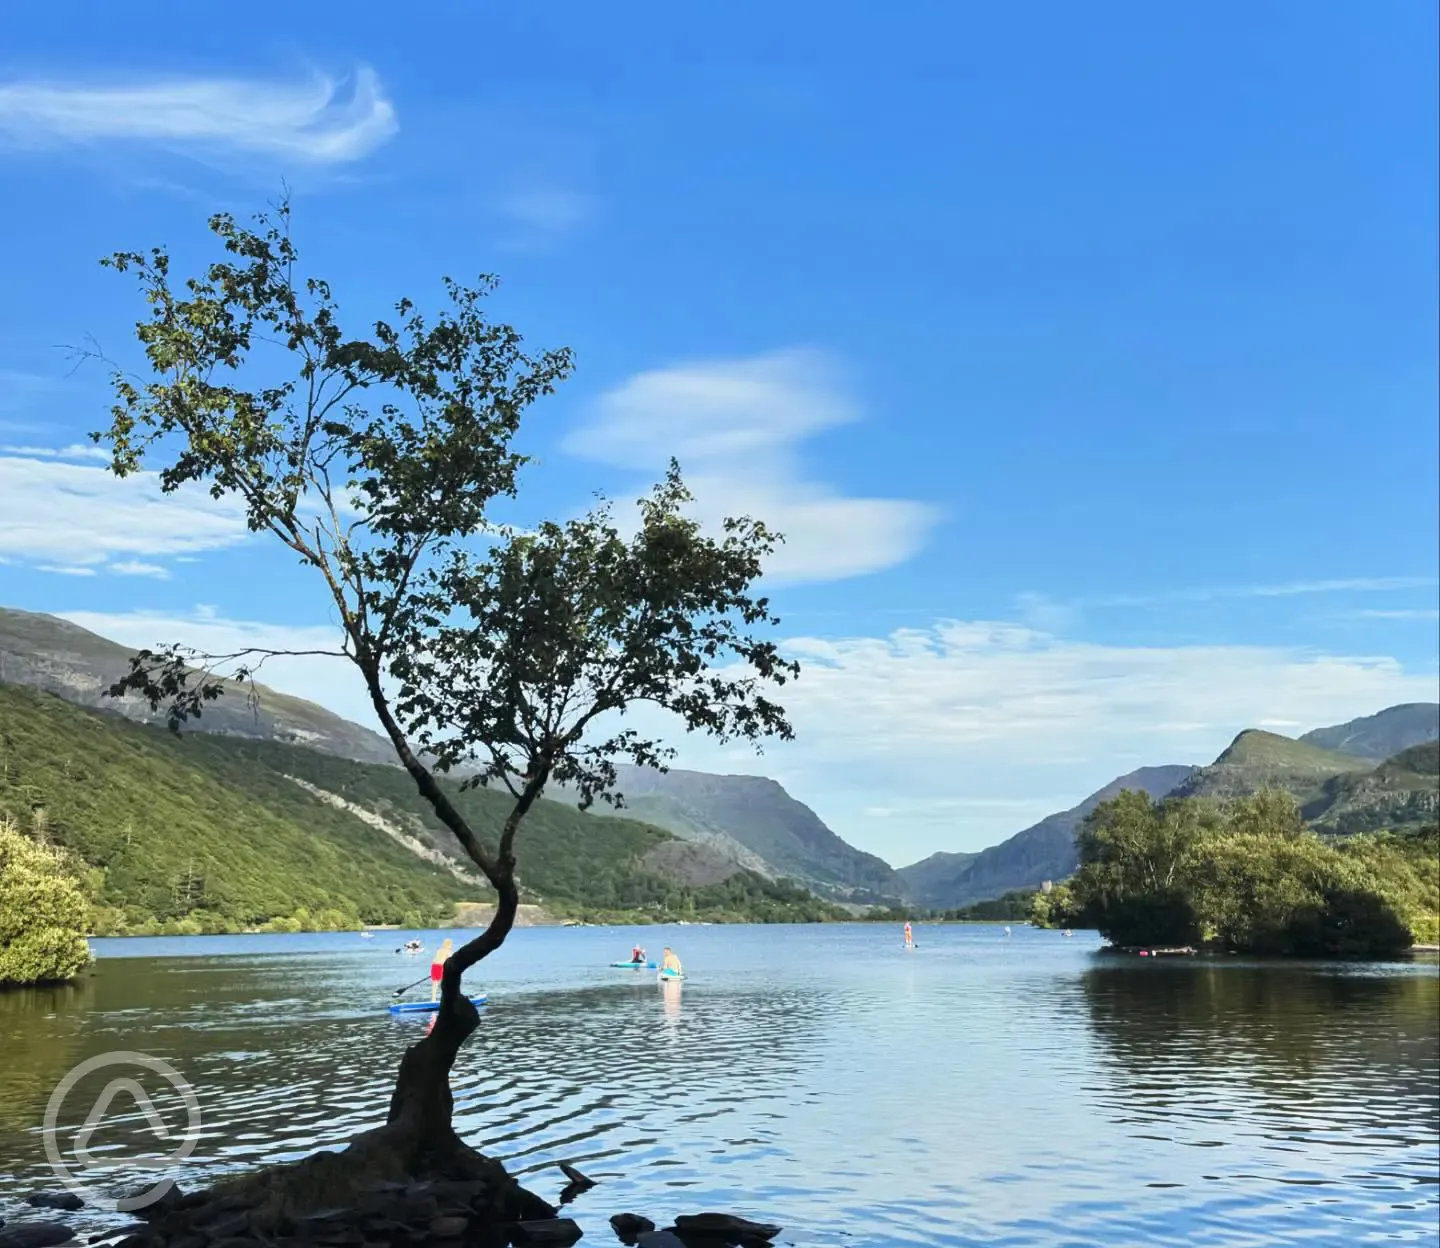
(909, 936)
(437, 966)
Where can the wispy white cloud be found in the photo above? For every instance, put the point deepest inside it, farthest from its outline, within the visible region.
(543, 211)
(74, 451)
(324, 121)
(737, 427)
(73, 515)
(65, 569)
(953, 736)
(137, 567)
(1288, 589)
(1420, 614)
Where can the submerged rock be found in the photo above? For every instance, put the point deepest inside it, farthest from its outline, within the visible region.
(629, 1226)
(725, 1228)
(67, 1201)
(558, 1231)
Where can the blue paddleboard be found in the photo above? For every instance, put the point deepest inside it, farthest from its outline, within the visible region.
(672, 975)
(635, 966)
(428, 1007)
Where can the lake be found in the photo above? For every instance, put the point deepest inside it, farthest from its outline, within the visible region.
(983, 1089)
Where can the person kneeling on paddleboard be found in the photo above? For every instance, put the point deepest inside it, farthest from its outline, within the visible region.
(637, 954)
(437, 967)
(671, 963)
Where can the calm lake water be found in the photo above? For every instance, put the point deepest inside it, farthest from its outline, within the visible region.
(981, 1090)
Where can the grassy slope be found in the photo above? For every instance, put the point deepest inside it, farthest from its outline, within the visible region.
(152, 814)
(1256, 760)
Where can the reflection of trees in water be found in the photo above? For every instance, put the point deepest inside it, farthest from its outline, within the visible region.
(1286, 1033)
(40, 1032)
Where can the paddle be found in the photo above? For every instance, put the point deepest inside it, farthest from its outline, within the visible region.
(424, 979)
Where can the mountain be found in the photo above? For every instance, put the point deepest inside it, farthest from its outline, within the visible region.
(1382, 735)
(212, 833)
(752, 818)
(1043, 852)
(1256, 760)
(749, 821)
(46, 652)
(1403, 792)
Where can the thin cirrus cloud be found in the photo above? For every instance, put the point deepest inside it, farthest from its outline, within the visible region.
(737, 427)
(63, 516)
(323, 120)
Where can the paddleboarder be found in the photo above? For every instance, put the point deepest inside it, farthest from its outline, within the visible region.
(437, 966)
(671, 963)
(909, 936)
(637, 954)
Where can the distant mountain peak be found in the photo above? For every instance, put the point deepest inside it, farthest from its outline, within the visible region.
(1383, 734)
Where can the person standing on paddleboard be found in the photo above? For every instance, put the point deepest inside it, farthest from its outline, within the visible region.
(437, 966)
(909, 937)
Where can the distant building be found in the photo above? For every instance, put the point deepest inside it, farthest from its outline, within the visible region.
(1046, 887)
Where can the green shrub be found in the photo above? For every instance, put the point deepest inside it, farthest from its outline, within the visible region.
(43, 913)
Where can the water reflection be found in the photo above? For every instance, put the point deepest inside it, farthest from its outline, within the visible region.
(1322, 1078)
(670, 991)
(981, 1091)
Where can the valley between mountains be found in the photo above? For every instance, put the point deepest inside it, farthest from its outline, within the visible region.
(284, 815)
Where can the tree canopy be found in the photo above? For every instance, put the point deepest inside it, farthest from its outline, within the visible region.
(508, 653)
(43, 912)
(1246, 876)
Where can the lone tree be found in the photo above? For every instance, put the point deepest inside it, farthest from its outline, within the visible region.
(512, 654)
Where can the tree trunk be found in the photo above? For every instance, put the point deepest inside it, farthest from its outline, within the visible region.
(422, 1106)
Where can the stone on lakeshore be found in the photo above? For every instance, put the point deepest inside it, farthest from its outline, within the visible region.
(67, 1201)
(558, 1231)
(170, 1199)
(448, 1226)
(716, 1224)
(114, 1237)
(35, 1235)
(660, 1239)
(630, 1225)
(581, 1181)
(226, 1225)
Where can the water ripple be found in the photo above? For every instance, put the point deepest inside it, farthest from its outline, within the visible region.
(986, 1090)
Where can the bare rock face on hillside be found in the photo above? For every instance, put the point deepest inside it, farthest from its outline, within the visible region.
(687, 862)
(46, 652)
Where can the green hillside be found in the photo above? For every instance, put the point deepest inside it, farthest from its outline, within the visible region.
(215, 833)
(45, 652)
(1402, 793)
(1259, 760)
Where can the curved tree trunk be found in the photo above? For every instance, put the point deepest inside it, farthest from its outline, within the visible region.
(422, 1104)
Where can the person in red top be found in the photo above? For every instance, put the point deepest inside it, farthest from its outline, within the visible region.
(437, 966)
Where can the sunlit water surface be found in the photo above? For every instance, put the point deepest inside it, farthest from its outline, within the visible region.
(983, 1089)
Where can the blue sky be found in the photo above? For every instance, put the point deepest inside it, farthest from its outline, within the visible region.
(1087, 355)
